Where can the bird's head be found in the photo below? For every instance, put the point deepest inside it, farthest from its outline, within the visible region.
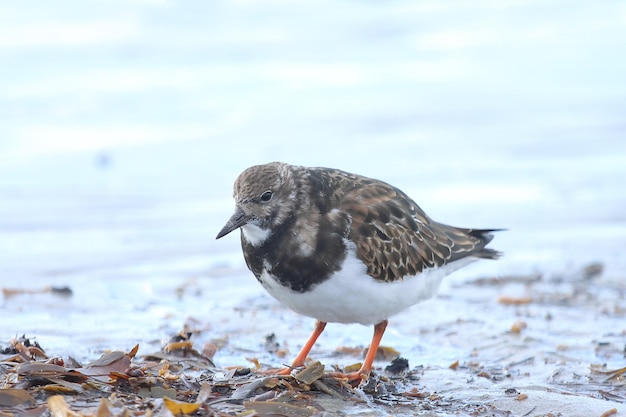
(264, 199)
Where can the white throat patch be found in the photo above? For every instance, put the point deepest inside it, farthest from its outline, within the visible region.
(254, 235)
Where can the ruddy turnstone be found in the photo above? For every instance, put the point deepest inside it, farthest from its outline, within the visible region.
(344, 248)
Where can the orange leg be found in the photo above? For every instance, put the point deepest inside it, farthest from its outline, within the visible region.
(299, 360)
(355, 378)
(304, 352)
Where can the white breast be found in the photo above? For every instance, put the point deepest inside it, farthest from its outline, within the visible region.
(352, 296)
(254, 234)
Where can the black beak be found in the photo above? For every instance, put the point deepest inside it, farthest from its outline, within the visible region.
(236, 221)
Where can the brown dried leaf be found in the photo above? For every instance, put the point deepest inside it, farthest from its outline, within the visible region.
(385, 353)
(281, 353)
(10, 292)
(174, 346)
(518, 326)
(59, 408)
(179, 407)
(311, 373)
(349, 350)
(176, 350)
(40, 411)
(615, 374)
(109, 362)
(209, 350)
(62, 291)
(206, 391)
(612, 397)
(593, 270)
(322, 387)
(10, 397)
(255, 361)
(40, 369)
(198, 362)
(36, 352)
(104, 409)
(353, 368)
(106, 359)
(514, 300)
(63, 388)
(133, 351)
(454, 365)
(415, 393)
(608, 413)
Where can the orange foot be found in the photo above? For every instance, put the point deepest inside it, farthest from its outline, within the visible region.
(354, 379)
(298, 362)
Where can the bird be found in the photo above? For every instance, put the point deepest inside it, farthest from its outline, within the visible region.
(344, 248)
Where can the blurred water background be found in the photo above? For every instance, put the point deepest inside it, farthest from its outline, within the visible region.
(124, 123)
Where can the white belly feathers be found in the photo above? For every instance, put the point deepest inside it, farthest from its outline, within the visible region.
(351, 296)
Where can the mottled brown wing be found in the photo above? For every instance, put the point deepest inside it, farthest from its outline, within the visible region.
(395, 238)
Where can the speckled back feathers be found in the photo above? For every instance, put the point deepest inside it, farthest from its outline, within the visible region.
(394, 236)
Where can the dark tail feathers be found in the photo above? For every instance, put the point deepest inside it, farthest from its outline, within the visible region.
(485, 235)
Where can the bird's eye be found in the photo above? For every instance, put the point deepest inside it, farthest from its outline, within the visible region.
(266, 196)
